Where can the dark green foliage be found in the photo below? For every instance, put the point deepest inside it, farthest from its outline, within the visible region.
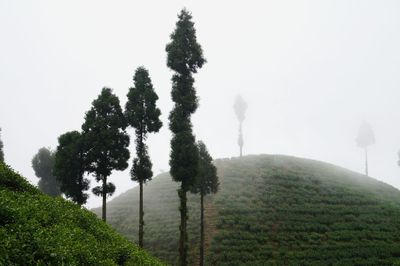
(206, 183)
(184, 159)
(70, 167)
(106, 141)
(206, 179)
(36, 229)
(142, 114)
(274, 210)
(184, 56)
(43, 165)
(1, 149)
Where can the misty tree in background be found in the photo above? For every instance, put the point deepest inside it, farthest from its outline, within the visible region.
(106, 141)
(206, 183)
(184, 57)
(43, 165)
(142, 114)
(1, 149)
(364, 139)
(240, 107)
(69, 167)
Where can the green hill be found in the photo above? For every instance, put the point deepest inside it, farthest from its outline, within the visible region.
(273, 210)
(36, 229)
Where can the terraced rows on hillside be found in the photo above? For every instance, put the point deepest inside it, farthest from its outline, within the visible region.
(274, 210)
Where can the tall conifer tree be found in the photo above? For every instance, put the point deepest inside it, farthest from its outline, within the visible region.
(142, 114)
(106, 141)
(184, 57)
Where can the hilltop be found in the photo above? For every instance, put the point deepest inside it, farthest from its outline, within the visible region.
(36, 229)
(273, 210)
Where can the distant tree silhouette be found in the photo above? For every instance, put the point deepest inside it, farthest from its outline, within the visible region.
(106, 141)
(142, 114)
(206, 183)
(184, 56)
(365, 138)
(1, 149)
(43, 165)
(240, 108)
(69, 167)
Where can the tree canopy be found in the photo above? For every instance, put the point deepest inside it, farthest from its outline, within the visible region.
(107, 142)
(70, 167)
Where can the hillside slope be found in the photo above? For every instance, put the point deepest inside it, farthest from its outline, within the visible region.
(36, 229)
(274, 210)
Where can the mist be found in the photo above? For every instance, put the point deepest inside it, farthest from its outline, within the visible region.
(311, 72)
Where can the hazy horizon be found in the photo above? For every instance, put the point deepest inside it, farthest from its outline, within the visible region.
(310, 71)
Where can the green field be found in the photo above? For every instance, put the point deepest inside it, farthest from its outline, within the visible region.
(273, 210)
(36, 229)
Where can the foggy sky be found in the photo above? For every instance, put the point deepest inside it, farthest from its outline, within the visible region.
(310, 71)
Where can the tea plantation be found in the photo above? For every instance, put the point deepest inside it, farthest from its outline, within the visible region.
(274, 210)
(36, 229)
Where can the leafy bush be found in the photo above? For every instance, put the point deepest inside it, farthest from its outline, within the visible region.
(40, 230)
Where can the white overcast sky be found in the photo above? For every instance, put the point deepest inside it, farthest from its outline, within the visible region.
(311, 72)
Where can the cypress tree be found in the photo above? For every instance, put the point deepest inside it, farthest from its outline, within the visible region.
(142, 114)
(184, 57)
(206, 183)
(106, 141)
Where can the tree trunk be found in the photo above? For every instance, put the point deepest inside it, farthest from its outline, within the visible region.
(240, 140)
(182, 228)
(366, 161)
(104, 194)
(201, 230)
(141, 214)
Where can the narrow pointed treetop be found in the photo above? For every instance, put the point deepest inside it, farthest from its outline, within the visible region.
(240, 108)
(140, 110)
(365, 136)
(184, 53)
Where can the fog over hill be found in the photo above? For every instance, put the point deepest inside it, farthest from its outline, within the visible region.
(310, 71)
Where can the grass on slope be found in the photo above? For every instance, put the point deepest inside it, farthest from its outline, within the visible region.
(279, 210)
(274, 210)
(36, 229)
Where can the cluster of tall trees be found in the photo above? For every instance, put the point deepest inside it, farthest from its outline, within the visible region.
(102, 144)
